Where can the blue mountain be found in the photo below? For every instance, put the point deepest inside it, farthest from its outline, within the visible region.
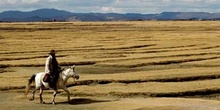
(61, 15)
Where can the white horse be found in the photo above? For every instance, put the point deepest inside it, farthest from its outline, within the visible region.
(61, 83)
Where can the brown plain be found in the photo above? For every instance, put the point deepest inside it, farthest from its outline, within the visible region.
(147, 65)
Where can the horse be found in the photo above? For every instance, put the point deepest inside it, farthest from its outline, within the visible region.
(64, 75)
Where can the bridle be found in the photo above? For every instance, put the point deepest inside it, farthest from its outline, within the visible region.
(68, 76)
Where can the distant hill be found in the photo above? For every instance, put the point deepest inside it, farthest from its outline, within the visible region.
(60, 15)
(36, 15)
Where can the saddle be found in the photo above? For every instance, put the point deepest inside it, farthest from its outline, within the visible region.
(47, 78)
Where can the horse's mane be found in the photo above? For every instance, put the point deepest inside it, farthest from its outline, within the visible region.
(63, 69)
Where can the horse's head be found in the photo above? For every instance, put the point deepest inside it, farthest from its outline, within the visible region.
(70, 72)
(73, 72)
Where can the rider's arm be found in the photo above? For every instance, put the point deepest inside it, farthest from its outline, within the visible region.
(47, 65)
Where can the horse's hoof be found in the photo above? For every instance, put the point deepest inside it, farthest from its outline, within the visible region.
(31, 99)
(42, 102)
(53, 103)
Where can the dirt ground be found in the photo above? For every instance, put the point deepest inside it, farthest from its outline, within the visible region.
(16, 101)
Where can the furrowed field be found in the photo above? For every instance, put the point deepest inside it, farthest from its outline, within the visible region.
(151, 65)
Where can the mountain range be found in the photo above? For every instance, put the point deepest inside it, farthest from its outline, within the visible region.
(61, 15)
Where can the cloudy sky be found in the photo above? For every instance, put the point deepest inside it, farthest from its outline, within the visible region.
(116, 6)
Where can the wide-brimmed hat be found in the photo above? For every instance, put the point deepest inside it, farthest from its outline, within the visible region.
(52, 52)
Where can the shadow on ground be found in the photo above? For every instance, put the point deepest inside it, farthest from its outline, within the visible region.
(80, 101)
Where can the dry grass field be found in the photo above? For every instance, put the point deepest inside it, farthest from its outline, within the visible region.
(163, 65)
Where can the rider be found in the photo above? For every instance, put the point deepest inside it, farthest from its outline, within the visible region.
(52, 68)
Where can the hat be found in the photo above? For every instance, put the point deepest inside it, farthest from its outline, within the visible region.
(52, 52)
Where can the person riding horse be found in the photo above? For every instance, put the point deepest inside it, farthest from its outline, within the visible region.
(52, 68)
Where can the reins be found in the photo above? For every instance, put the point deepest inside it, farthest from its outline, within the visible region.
(62, 70)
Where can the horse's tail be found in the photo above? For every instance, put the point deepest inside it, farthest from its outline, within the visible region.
(31, 80)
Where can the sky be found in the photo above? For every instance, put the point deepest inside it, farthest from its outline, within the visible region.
(114, 6)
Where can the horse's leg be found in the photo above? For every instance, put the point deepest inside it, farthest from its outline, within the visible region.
(33, 93)
(54, 95)
(68, 93)
(40, 94)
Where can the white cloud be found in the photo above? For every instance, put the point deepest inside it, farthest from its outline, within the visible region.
(29, 1)
(110, 9)
(9, 1)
